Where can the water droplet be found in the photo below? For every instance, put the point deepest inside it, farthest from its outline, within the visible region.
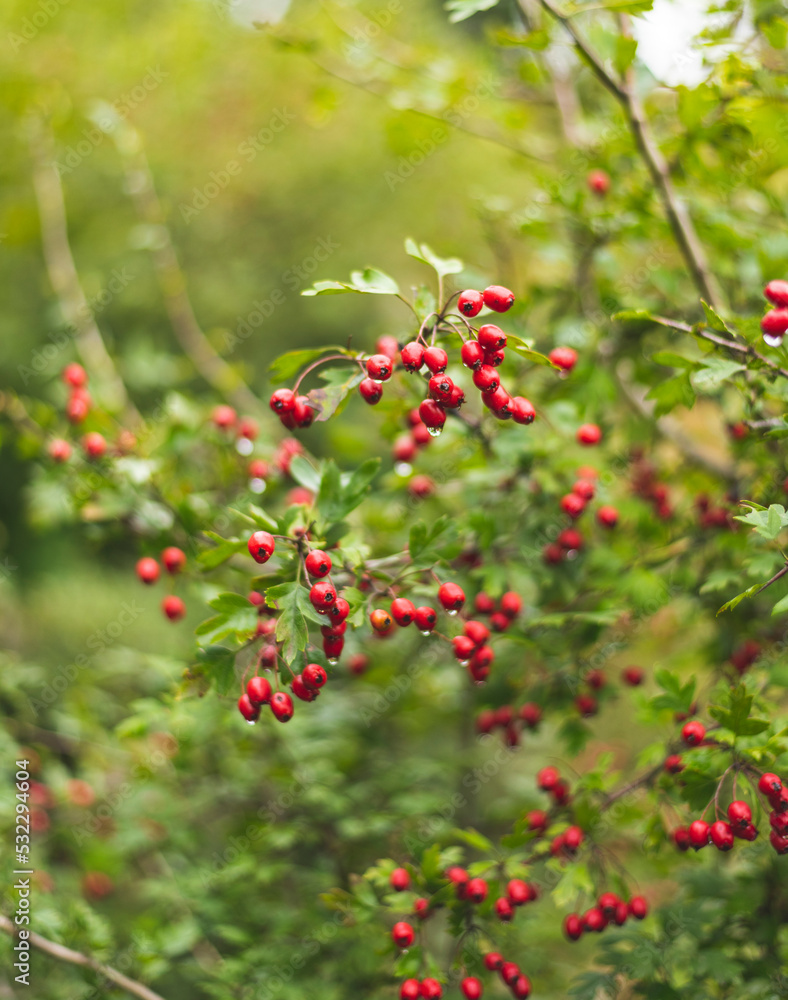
(772, 340)
(434, 431)
(333, 660)
(244, 446)
(257, 486)
(451, 614)
(250, 722)
(464, 663)
(428, 632)
(403, 469)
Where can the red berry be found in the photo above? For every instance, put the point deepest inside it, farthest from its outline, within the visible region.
(318, 563)
(573, 927)
(421, 487)
(470, 303)
(451, 596)
(338, 612)
(573, 838)
(436, 359)
(608, 902)
(750, 832)
(509, 972)
(471, 986)
(589, 434)
(381, 621)
(777, 293)
(699, 832)
(379, 367)
(173, 607)
(596, 679)
(421, 434)
(459, 877)
(358, 663)
(440, 388)
(404, 449)
(780, 844)
(94, 444)
(537, 819)
(633, 676)
(486, 379)
(775, 322)
(332, 647)
(693, 733)
(261, 546)
(511, 604)
(422, 908)
(282, 706)
(399, 880)
(584, 489)
(371, 391)
(322, 595)
(594, 920)
(303, 413)
(472, 354)
(638, 907)
(599, 182)
(402, 934)
(425, 619)
(503, 909)
(258, 469)
(563, 357)
(432, 414)
(607, 517)
(769, 784)
(301, 690)
(59, 450)
(387, 345)
(499, 401)
(484, 604)
(258, 690)
(681, 838)
(174, 559)
(721, 835)
(572, 505)
(477, 632)
(75, 375)
(547, 779)
(586, 705)
(463, 648)
(498, 298)
(739, 814)
(402, 611)
(518, 892)
(481, 661)
(77, 408)
(531, 714)
(570, 539)
(412, 356)
(410, 990)
(522, 411)
(431, 989)
(476, 890)
(521, 987)
(314, 675)
(224, 417)
(674, 764)
(248, 709)
(493, 961)
(491, 337)
(499, 622)
(148, 570)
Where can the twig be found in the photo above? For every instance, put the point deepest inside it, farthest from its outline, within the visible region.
(777, 576)
(715, 338)
(63, 274)
(64, 954)
(678, 217)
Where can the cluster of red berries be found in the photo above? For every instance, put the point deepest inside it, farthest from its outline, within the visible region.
(510, 974)
(425, 989)
(775, 322)
(507, 719)
(293, 410)
(745, 655)
(646, 486)
(570, 541)
(245, 429)
(710, 516)
(610, 909)
(174, 560)
(78, 407)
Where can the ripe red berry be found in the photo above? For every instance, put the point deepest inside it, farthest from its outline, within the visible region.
(410, 990)
(381, 621)
(608, 902)
(547, 779)
(436, 359)
(425, 619)
(531, 714)
(777, 293)
(402, 611)
(484, 604)
(509, 972)
(399, 880)
(481, 661)
(698, 834)
(459, 878)
(693, 733)
(174, 559)
(432, 414)
(674, 764)
(472, 354)
(537, 819)
(404, 449)
(503, 909)
(173, 607)
(358, 663)
(318, 563)
(491, 337)
(493, 961)
(471, 988)
(412, 356)
(451, 597)
(470, 303)
(258, 690)
(633, 676)
(638, 907)
(584, 489)
(224, 417)
(594, 920)
(499, 401)
(332, 647)
(338, 612)
(572, 505)
(775, 322)
(440, 388)
(739, 814)
(499, 622)
(261, 546)
(750, 832)
(486, 379)
(258, 469)
(573, 927)
(769, 784)
(599, 182)
(607, 517)
(148, 570)
(314, 675)
(75, 375)
(476, 890)
(422, 908)
(498, 298)
(511, 604)
(464, 648)
(780, 844)
(573, 838)
(379, 367)
(521, 987)
(563, 357)
(303, 413)
(322, 595)
(301, 690)
(282, 706)
(476, 632)
(518, 892)
(522, 411)
(721, 835)
(59, 450)
(681, 838)
(387, 345)
(94, 444)
(78, 408)
(589, 434)
(248, 709)
(371, 391)
(431, 989)
(402, 934)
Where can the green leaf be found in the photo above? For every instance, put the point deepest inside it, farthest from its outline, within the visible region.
(767, 523)
(736, 718)
(425, 303)
(636, 317)
(673, 392)
(622, 6)
(474, 839)
(339, 383)
(304, 473)
(671, 360)
(295, 608)
(625, 53)
(443, 265)
(225, 549)
(423, 541)
(526, 351)
(370, 281)
(220, 662)
(713, 319)
(286, 366)
(781, 606)
(340, 493)
(734, 602)
(236, 617)
(714, 372)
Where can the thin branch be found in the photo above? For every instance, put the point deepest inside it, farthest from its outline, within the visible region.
(172, 281)
(715, 338)
(64, 954)
(678, 217)
(63, 274)
(777, 576)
